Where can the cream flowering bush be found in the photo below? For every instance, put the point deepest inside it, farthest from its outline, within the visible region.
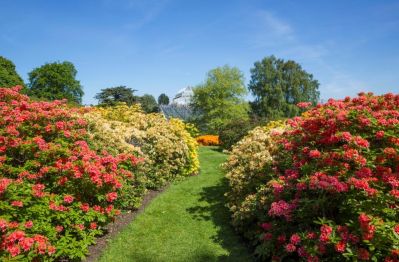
(167, 148)
(112, 136)
(244, 169)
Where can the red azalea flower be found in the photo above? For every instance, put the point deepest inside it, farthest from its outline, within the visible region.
(17, 203)
(29, 224)
(290, 248)
(314, 153)
(68, 199)
(295, 239)
(340, 246)
(111, 196)
(363, 254)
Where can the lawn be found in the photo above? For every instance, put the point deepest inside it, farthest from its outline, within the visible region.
(188, 222)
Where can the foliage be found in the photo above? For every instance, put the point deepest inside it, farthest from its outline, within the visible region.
(191, 129)
(278, 86)
(148, 104)
(168, 149)
(54, 81)
(163, 99)
(208, 140)
(8, 75)
(220, 99)
(244, 168)
(56, 193)
(332, 190)
(114, 95)
(233, 132)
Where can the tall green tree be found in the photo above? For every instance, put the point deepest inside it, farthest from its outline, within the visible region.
(8, 75)
(148, 103)
(163, 99)
(220, 99)
(113, 95)
(278, 86)
(55, 81)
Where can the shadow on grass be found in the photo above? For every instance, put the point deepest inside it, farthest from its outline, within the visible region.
(216, 148)
(218, 213)
(202, 255)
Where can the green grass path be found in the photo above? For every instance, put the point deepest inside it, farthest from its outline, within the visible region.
(188, 222)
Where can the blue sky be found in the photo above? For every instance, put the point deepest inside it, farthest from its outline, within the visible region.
(165, 45)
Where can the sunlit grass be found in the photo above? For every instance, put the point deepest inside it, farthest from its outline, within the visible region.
(188, 222)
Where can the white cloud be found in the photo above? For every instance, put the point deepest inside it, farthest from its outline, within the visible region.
(274, 24)
(143, 11)
(337, 84)
(276, 35)
(270, 30)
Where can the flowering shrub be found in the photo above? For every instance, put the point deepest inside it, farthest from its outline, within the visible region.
(191, 129)
(332, 190)
(167, 148)
(208, 140)
(113, 136)
(184, 130)
(56, 193)
(244, 171)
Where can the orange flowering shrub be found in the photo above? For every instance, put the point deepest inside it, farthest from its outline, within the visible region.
(208, 140)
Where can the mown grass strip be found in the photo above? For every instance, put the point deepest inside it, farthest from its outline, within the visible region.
(188, 222)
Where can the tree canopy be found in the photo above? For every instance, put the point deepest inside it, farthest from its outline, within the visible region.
(220, 99)
(148, 103)
(113, 95)
(55, 81)
(278, 86)
(163, 99)
(8, 75)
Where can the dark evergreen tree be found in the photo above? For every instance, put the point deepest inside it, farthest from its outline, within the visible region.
(113, 95)
(278, 86)
(163, 99)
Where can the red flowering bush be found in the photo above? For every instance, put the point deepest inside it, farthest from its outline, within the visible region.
(55, 192)
(333, 185)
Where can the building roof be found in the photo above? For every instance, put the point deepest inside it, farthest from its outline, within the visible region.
(183, 97)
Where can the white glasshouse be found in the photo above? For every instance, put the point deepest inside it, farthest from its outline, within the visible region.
(183, 97)
(180, 106)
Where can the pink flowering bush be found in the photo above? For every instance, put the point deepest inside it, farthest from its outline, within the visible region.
(56, 193)
(333, 186)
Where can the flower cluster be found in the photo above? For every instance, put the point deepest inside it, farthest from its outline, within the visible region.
(55, 191)
(332, 186)
(208, 140)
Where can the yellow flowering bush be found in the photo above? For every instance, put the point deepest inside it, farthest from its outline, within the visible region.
(168, 149)
(182, 130)
(244, 169)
